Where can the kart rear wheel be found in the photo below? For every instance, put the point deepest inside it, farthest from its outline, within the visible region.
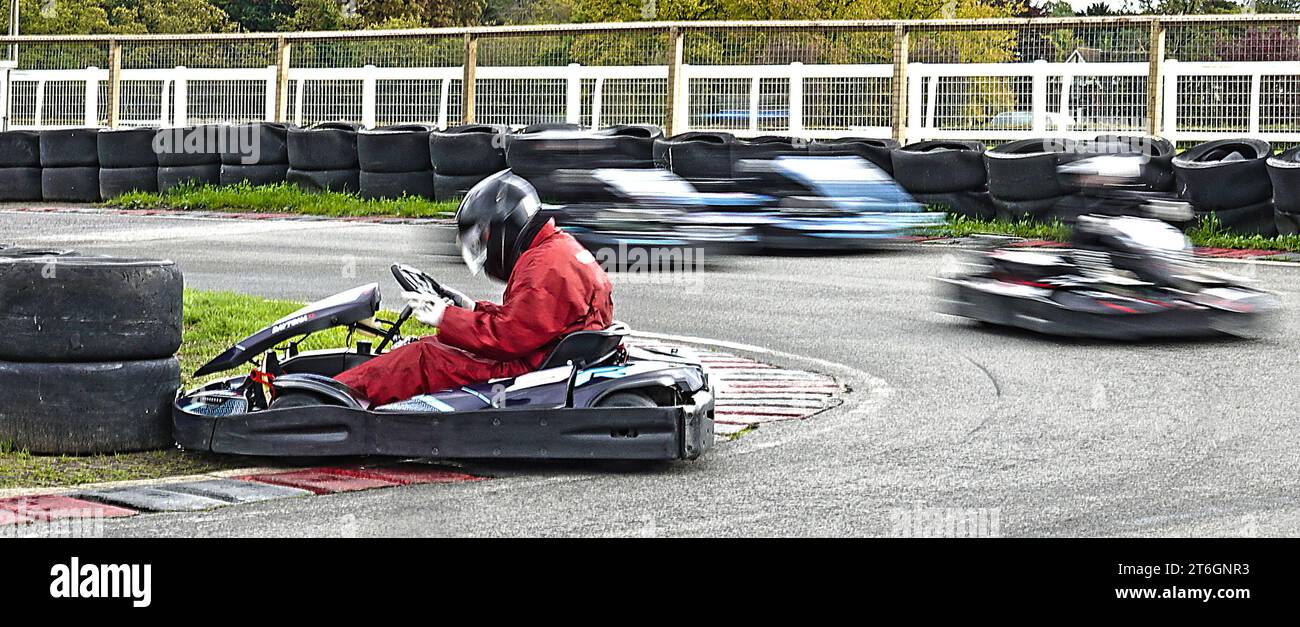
(300, 398)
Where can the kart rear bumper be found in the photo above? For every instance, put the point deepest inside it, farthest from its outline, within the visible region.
(963, 298)
(658, 433)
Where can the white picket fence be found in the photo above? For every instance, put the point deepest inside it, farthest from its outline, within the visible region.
(1001, 101)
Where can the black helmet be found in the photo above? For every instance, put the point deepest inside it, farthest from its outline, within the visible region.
(497, 221)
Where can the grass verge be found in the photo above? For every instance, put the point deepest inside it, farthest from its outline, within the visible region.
(1207, 234)
(213, 322)
(280, 198)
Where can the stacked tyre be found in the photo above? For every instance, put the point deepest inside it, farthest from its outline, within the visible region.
(1228, 179)
(946, 174)
(70, 164)
(1284, 173)
(190, 155)
(1120, 189)
(1022, 177)
(255, 154)
(879, 152)
(394, 162)
(20, 166)
(556, 161)
(461, 156)
(704, 159)
(323, 157)
(127, 162)
(88, 365)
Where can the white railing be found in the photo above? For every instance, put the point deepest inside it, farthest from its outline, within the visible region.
(985, 101)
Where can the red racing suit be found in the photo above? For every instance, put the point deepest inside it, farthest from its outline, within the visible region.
(556, 288)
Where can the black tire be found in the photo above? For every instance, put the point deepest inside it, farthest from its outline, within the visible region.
(1039, 210)
(20, 183)
(394, 149)
(20, 149)
(118, 181)
(570, 186)
(101, 407)
(475, 149)
(1226, 174)
(969, 204)
(1157, 173)
(271, 139)
(396, 184)
(697, 156)
(169, 177)
(72, 147)
(72, 308)
(289, 399)
(542, 127)
(1253, 219)
(1284, 174)
(265, 174)
(1026, 169)
(191, 145)
(876, 151)
(325, 180)
(330, 146)
(626, 399)
(448, 187)
(1287, 223)
(937, 167)
(767, 147)
(72, 184)
(127, 148)
(545, 152)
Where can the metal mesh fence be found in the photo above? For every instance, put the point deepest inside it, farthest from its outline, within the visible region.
(994, 80)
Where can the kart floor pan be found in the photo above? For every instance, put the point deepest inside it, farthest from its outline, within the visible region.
(657, 433)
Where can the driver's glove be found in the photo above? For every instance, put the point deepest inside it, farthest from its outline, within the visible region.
(459, 299)
(425, 308)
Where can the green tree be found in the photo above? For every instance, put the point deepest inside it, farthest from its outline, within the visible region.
(257, 15)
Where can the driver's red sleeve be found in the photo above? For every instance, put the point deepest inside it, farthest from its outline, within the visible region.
(540, 306)
(486, 306)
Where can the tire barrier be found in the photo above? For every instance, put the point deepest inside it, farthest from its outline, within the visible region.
(394, 161)
(1229, 179)
(945, 172)
(268, 174)
(70, 165)
(877, 151)
(538, 156)
(20, 166)
(270, 163)
(127, 161)
(1284, 173)
(189, 155)
(474, 149)
(323, 157)
(88, 363)
(97, 407)
(702, 158)
(452, 186)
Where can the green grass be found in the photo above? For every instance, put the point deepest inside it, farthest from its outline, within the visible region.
(280, 198)
(213, 321)
(1209, 233)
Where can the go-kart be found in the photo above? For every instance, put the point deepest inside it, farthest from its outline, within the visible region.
(593, 397)
(1123, 278)
(794, 203)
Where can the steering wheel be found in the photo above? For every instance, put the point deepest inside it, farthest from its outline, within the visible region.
(414, 280)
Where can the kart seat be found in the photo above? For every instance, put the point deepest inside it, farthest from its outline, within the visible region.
(587, 348)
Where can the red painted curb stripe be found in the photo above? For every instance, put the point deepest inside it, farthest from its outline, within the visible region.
(54, 507)
(405, 475)
(12, 518)
(321, 480)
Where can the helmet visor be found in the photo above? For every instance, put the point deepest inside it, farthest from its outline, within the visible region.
(473, 247)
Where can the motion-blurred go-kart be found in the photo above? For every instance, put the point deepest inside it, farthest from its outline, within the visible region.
(593, 397)
(1124, 277)
(796, 203)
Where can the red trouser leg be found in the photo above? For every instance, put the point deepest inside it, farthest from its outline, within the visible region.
(417, 368)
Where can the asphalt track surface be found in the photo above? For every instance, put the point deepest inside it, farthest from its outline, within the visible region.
(1058, 438)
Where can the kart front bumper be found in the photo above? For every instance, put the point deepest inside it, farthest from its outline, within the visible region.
(657, 433)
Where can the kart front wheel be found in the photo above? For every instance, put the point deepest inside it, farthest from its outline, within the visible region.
(627, 399)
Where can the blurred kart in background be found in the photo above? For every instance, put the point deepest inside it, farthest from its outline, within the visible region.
(793, 203)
